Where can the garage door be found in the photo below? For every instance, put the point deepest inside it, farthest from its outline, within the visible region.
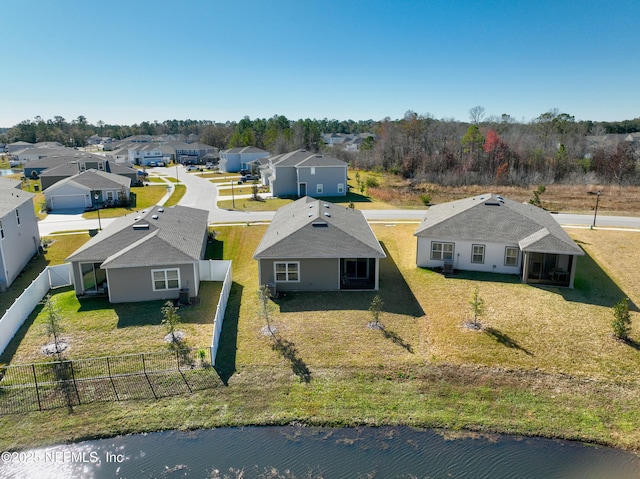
(67, 202)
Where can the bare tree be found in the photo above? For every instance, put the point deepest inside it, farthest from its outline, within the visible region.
(476, 114)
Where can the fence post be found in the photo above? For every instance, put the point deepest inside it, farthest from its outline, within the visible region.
(144, 369)
(75, 385)
(111, 379)
(35, 380)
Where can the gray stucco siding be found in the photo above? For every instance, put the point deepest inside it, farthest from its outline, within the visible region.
(136, 284)
(321, 274)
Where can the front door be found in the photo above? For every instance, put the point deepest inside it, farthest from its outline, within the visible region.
(303, 189)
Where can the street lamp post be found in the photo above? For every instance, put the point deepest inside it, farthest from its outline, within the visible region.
(96, 196)
(595, 213)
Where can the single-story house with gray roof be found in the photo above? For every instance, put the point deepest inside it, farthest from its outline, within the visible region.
(312, 245)
(494, 234)
(144, 256)
(89, 189)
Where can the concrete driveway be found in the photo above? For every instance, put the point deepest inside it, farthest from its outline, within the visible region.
(69, 220)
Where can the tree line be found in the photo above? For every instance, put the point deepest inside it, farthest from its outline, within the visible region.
(551, 148)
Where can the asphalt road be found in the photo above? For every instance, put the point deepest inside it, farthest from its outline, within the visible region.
(201, 193)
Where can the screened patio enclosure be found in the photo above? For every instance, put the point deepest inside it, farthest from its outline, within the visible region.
(358, 273)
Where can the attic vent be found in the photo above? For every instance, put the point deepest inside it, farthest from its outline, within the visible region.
(327, 214)
(141, 226)
(137, 217)
(318, 156)
(310, 215)
(326, 205)
(492, 203)
(155, 217)
(161, 210)
(319, 224)
(311, 206)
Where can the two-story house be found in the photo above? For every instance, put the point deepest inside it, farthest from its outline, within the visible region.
(302, 173)
(19, 235)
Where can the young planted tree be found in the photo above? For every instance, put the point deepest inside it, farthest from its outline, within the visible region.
(264, 296)
(621, 323)
(171, 320)
(376, 309)
(477, 307)
(53, 326)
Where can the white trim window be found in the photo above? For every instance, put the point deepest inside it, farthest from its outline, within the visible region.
(340, 187)
(477, 253)
(511, 254)
(109, 195)
(288, 272)
(319, 188)
(441, 251)
(165, 279)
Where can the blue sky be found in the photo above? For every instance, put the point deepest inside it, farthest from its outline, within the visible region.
(128, 61)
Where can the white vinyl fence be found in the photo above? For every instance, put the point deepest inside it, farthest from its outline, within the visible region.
(51, 277)
(217, 270)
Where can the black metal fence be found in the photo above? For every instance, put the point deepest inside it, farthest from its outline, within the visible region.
(41, 386)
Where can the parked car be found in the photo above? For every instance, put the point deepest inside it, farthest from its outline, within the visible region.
(246, 178)
(193, 168)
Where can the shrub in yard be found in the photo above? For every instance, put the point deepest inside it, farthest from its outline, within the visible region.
(621, 323)
(426, 199)
(372, 182)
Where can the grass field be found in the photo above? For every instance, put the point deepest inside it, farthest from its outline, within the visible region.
(544, 364)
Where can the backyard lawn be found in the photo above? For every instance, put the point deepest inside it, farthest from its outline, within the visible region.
(544, 363)
(549, 329)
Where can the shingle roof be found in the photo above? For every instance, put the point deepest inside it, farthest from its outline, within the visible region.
(71, 168)
(492, 218)
(11, 198)
(245, 149)
(176, 236)
(95, 180)
(304, 158)
(309, 228)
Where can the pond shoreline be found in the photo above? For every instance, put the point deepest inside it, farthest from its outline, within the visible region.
(446, 398)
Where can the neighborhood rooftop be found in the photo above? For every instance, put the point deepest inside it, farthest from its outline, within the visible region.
(492, 218)
(313, 228)
(157, 235)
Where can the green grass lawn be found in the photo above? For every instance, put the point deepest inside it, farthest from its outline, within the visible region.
(59, 249)
(146, 197)
(544, 364)
(221, 178)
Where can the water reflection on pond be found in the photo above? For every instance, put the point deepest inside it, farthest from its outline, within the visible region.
(385, 452)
